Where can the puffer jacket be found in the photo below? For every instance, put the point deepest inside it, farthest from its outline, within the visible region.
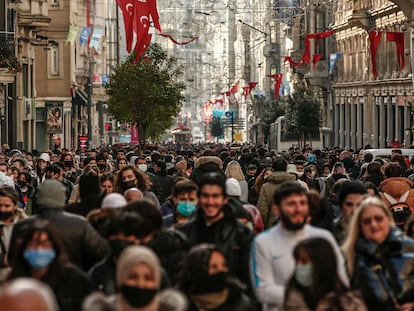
(264, 204)
(396, 187)
(385, 272)
(229, 234)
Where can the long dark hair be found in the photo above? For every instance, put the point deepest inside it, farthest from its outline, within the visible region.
(325, 274)
(20, 267)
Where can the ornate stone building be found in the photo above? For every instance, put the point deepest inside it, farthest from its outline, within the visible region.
(363, 109)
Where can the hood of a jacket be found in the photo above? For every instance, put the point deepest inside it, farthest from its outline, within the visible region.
(396, 186)
(393, 243)
(207, 159)
(279, 177)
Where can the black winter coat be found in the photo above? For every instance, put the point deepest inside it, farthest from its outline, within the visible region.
(386, 271)
(229, 234)
(171, 247)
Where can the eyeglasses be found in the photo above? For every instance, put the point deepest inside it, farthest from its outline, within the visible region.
(91, 167)
(377, 218)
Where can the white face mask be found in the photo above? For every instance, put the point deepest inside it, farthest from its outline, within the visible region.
(300, 174)
(313, 174)
(143, 167)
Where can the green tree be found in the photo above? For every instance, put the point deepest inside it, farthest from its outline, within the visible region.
(147, 93)
(271, 111)
(303, 114)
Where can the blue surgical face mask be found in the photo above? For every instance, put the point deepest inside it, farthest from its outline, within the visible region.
(186, 208)
(39, 258)
(304, 274)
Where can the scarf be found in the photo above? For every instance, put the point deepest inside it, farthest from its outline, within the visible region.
(210, 301)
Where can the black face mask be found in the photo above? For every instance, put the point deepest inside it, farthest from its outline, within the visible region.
(117, 246)
(128, 184)
(68, 163)
(137, 297)
(5, 215)
(101, 166)
(21, 183)
(214, 283)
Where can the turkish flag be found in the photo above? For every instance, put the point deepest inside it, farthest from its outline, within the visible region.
(252, 85)
(374, 39)
(127, 8)
(152, 6)
(141, 28)
(315, 59)
(234, 87)
(246, 91)
(317, 37)
(398, 38)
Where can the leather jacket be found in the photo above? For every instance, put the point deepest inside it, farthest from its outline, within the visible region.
(384, 273)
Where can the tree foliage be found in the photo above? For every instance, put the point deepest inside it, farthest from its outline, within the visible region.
(271, 111)
(303, 114)
(147, 93)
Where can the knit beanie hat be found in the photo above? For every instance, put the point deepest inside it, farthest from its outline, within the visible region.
(233, 187)
(51, 193)
(133, 255)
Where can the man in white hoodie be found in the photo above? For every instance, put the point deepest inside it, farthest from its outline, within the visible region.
(272, 262)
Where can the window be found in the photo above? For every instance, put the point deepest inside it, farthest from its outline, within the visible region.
(54, 61)
(54, 3)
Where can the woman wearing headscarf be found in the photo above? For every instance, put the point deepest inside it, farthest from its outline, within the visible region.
(138, 277)
(207, 284)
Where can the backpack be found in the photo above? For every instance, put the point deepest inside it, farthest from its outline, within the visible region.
(400, 209)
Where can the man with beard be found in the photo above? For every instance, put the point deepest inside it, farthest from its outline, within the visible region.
(272, 262)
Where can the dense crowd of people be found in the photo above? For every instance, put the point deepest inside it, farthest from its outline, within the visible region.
(210, 228)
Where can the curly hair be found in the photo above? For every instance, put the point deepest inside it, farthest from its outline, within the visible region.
(143, 181)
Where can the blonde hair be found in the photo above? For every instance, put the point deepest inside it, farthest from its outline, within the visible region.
(348, 247)
(234, 170)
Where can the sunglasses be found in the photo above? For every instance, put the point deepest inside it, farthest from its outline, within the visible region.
(91, 167)
(377, 218)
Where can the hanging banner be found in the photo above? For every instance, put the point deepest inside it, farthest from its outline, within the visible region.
(333, 58)
(96, 38)
(315, 59)
(374, 39)
(398, 38)
(84, 36)
(73, 31)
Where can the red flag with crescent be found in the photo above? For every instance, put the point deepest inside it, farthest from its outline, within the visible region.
(127, 8)
(141, 27)
(152, 5)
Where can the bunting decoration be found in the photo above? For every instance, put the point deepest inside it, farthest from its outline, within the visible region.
(84, 36)
(96, 38)
(315, 59)
(317, 37)
(235, 87)
(73, 31)
(278, 81)
(333, 58)
(252, 85)
(398, 38)
(374, 39)
(137, 20)
(176, 42)
(246, 91)
(306, 54)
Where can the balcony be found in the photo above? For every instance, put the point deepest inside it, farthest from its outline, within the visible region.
(8, 59)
